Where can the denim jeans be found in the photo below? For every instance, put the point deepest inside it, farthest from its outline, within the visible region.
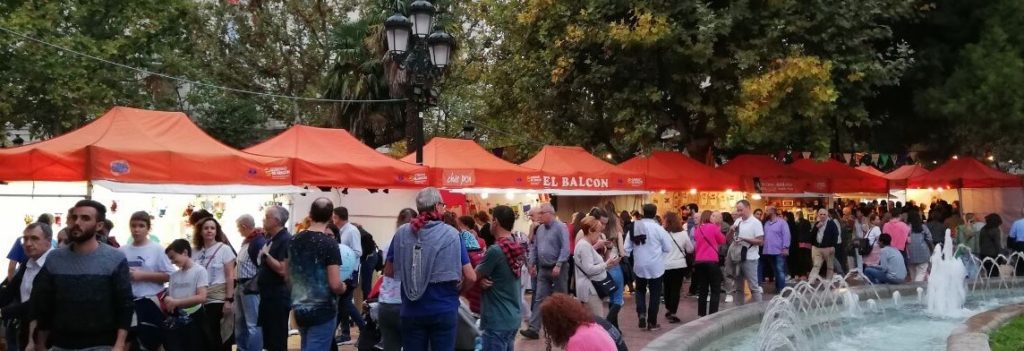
(777, 263)
(499, 340)
(878, 276)
(248, 335)
(436, 332)
(347, 311)
(616, 274)
(390, 324)
(275, 304)
(318, 337)
(644, 306)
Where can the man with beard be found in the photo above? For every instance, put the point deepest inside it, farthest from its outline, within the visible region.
(82, 297)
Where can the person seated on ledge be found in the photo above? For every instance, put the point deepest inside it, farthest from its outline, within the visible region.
(891, 269)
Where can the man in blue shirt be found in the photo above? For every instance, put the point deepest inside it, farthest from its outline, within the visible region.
(1015, 241)
(427, 256)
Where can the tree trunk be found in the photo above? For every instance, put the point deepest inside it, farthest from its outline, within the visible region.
(700, 149)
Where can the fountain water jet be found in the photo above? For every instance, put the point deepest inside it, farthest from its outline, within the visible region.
(946, 289)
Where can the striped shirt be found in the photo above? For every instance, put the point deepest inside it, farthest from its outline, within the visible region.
(245, 268)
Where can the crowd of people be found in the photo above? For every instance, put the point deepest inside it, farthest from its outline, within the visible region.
(80, 289)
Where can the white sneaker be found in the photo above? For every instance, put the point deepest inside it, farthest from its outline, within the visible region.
(728, 298)
(293, 332)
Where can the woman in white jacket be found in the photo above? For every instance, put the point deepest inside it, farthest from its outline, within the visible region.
(590, 264)
(675, 264)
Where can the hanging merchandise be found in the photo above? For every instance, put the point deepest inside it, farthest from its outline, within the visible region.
(188, 211)
(113, 206)
(57, 218)
(28, 219)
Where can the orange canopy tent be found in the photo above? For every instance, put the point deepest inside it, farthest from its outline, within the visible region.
(841, 178)
(128, 145)
(762, 174)
(673, 171)
(871, 170)
(459, 164)
(964, 173)
(573, 168)
(333, 157)
(898, 178)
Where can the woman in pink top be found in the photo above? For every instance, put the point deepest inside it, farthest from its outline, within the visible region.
(571, 326)
(707, 237)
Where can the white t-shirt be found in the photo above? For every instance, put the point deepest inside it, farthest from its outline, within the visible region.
(213, 259)
(147, 258)
(184, 283)
(873, 235)
(749, 229)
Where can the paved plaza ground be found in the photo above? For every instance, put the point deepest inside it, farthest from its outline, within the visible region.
(635, 338)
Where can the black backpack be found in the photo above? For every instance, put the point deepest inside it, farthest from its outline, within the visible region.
(612, 332)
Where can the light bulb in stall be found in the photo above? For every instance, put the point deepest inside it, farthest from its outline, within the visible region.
(693, 191)
(484, 195)
(755, 197)
(510, 195)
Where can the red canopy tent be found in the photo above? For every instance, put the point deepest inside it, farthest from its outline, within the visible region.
(964, 173)
(573, 168)
(871, 170)
(898, 178)
(673, 171)
(458, 163)
(841, 178)
(333, 157)
(128, 145)
(762, 174)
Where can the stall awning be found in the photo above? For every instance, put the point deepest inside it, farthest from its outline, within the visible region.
(461, 164)
(762, 174)
(898, 178)
(871, 170)
(141, 146)
(333, 157)
(964, 173)
(573, 168)
(841, 178)
(673, 171)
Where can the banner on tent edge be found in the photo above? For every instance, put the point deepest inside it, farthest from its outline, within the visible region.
(458, 178)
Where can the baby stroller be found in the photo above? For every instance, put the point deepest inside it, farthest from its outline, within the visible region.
(466, 337)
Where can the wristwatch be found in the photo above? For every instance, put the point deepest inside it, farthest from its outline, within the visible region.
(230, 299)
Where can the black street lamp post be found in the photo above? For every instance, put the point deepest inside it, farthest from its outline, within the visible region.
(423, 63)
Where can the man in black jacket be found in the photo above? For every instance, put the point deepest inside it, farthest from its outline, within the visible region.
(14, 297)
(824, 239)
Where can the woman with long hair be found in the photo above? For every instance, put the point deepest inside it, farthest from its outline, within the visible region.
(483, 221)
(707, 274)
(613, 249)
(591, 266)
(918, 246)
(570, 326)
(217, 257)
(675, 264)
(475, 248)
(390, 298)
(874, 229)
(990, 242)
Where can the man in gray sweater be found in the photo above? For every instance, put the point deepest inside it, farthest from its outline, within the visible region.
(548, 257)
(891, 269)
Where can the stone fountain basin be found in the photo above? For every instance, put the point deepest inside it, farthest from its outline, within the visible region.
(700, 333)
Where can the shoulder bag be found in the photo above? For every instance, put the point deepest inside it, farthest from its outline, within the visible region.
(604, 287)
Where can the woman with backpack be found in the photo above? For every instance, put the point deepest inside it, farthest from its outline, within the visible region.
(918, 246)
(874, 229)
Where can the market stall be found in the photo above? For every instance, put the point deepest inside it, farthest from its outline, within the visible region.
(679, 180)
(574, 176)
(460, 164)
(770, 182)
(842, 180)
(334, 158)
(978, 187)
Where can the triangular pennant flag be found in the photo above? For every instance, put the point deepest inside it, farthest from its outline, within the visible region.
(874, 158)
(806, 154)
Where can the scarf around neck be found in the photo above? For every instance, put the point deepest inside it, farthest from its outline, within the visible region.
(422, 220)
(514, 254)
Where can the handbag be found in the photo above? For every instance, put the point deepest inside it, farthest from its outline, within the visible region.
(604, 287)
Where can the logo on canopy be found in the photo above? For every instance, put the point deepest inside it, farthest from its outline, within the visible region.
(416, 178)
(458, 178)
(119, 167)
(277, 172)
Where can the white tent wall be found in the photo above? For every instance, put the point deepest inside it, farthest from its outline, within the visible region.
(375, 212)
(1007, 202)
(518, 201)
(30, 199)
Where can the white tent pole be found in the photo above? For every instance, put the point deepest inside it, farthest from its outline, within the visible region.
(88, 190)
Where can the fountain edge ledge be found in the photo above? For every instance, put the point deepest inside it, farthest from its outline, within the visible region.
(701, 332)
(972, 335)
